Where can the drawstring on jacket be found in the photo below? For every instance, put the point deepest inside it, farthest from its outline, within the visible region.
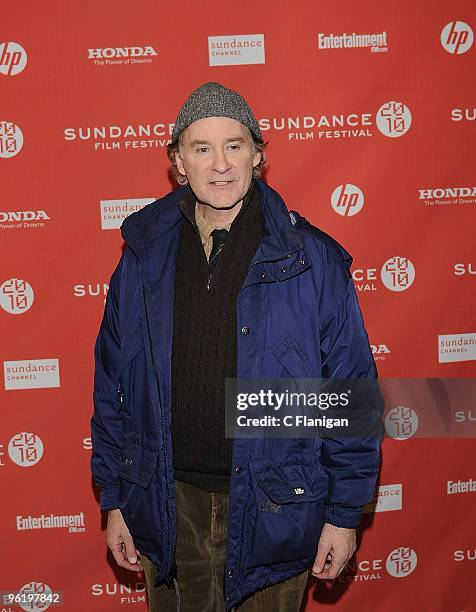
(177, 595)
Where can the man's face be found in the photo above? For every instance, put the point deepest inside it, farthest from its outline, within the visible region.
(217, 156)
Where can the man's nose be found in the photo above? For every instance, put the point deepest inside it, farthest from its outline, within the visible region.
(220, 161)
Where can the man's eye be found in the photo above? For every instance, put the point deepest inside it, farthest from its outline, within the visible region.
(202, 149)
(234, 147)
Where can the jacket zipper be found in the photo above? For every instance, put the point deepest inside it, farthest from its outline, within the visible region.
(173, 570)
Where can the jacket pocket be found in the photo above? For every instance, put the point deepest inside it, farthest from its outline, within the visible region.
(287, 514)
(138, 463)
(291, 356)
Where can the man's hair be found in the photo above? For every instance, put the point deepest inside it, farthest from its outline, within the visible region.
(174, 147)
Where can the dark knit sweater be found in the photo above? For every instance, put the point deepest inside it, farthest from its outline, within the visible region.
(205, 344)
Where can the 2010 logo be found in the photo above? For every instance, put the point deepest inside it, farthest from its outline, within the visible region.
(457, 37)
(25, 449)
(397, 273)
(393, 119)
(11, 139)
(16, 296)
(13, 58)
(401, 562)
(401, 422)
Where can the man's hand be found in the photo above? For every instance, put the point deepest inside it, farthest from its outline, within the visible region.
(120, 542)
(336, 547)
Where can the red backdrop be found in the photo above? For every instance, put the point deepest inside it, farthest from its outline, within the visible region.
(369, 110)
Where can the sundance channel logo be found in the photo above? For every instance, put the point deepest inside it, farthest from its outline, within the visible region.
(113, 212)
(123, 56)
(238, 49)
(456, 347)
(31, 374)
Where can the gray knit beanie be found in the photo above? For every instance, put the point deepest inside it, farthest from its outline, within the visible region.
(215, 100)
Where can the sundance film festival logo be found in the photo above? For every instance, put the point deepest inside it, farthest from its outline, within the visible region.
(11, 139)
(16, 296)
(401, 562)
(121, 55)
(13, 58)
(457, 37)
(347, 200)
(380, 351)
(25, 449)
(115, 137)
(393, 119)
(398, 273)
(236, 49)
(401, 423)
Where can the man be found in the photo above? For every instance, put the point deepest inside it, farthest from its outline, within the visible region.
(218, 280)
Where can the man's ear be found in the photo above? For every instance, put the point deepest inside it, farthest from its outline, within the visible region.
(179, 163)
(256, 158)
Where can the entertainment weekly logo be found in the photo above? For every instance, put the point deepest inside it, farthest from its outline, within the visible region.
(74, 523)
(113, 212)
(13, 58)
(460, 486)
(445, 196)
(400, 563)
(31, 374)
(16, 296)
(393, 119)
(122, 137)
(123, 56)
(237, 49)
(456, 37)
(456, 347)
(377, 43)
(396, 274)
(11, 139)
(386, 498)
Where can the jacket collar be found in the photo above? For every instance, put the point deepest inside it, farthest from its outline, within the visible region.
(142, 229)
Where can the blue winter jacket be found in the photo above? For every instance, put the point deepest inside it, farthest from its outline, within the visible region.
(297, 316)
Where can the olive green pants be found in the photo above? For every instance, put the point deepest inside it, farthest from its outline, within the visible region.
(200, 558)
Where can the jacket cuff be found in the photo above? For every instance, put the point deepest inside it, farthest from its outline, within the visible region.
(109, 498)
(340, 516)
